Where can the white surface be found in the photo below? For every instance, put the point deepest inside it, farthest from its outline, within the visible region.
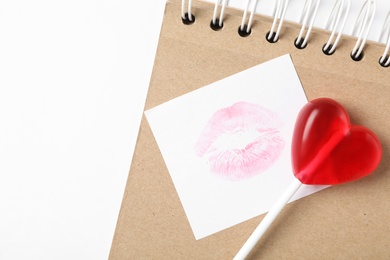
(73, 80)
(213, 203)
(295, 8)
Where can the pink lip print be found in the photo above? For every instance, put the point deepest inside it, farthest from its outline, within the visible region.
(241, 141)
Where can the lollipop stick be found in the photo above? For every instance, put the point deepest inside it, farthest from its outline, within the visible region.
(268, 219)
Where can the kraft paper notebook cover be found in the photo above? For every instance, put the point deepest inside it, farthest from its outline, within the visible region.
(350, 221)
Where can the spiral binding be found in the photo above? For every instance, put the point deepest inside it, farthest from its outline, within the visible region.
(336, 23)
(187, 17)
(384, 59)
(339, 9)
(307, 13)
(278, 14)
(245, 28)
(364, 23)
(217, 24)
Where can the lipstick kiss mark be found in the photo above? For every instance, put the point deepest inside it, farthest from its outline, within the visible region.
(241, 141)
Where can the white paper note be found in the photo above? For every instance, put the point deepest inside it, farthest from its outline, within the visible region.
(227, 145)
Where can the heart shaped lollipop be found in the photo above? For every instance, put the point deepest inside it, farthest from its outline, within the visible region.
(327, 149)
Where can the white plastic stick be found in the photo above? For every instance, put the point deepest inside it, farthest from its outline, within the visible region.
(268, 219)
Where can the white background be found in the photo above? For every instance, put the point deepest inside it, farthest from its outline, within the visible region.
(73, 79)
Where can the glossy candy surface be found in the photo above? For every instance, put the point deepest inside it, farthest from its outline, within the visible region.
(327, 149)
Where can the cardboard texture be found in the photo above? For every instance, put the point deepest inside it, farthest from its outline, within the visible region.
(350, 221)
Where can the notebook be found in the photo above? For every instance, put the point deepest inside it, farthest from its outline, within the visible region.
(346, 221)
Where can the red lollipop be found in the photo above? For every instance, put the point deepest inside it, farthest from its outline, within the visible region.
(326, 150)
